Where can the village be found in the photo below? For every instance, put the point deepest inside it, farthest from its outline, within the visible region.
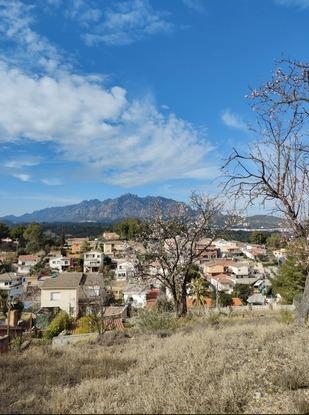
(72, 278)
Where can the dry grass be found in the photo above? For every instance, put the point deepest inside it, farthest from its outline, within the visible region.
(237, 366)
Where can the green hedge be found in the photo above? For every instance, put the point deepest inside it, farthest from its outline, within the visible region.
(61, 322)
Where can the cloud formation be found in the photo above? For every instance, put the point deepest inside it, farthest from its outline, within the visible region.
(16, 19)
(127, 22)
(233, 120)
(300, 4)
(117, 141)
(130, 143)
(119, 23)
(195, 5)
(22, 176)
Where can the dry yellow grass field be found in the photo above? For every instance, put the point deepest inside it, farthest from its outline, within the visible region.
(243, 365)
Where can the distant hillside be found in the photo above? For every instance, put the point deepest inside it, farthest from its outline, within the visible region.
(260, 222)
(109, 210)
(126, 206)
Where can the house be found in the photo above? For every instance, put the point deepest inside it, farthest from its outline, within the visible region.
(124, 270)
(113, 249)
(75, 244)
(59, 263)
(206, 251)
(62, 292)
(26, 262)
(222, 282)
(239, 269)
(93, 261)
(110, 236)
(12, 284)
(118, 287)
(253, 251)
(228, 249)
(136, 294)
(244, 280)
(73, 292)
(220, 266)
(256, 299)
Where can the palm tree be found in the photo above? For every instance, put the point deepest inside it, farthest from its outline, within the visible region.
(198, 289)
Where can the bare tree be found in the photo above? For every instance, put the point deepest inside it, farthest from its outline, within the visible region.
(276, 169)
(97, 297)
(171, 245)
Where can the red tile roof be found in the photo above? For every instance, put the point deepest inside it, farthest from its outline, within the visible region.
(28, 257)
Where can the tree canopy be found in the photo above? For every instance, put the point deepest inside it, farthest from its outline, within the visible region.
(290, 280)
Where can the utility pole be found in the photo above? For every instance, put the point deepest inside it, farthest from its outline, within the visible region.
(8, 317)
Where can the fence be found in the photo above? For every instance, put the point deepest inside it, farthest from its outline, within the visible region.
(4, 344)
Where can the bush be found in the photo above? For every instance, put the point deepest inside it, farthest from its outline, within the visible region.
(225, 299)
(84, 325)
(286, 316)
(163, 304)
(57, 325)
(154, 320)
(213, 318)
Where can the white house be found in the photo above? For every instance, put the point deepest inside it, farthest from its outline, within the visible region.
(12, 284)
(228, 249)
(124, 270)
(253, 251)
(59, 263)
(70, 291)
(222, 282)
(26, 262)
(239, 269)
(136, 294)
(93, 261)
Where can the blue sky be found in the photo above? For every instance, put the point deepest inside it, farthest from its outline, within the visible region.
(100, 98)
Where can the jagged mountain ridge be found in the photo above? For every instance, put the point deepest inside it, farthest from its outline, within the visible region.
(109, 210)
(126, 206)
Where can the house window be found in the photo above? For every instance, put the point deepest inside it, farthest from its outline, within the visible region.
(54, 296)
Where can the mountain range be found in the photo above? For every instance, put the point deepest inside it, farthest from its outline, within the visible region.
(126, 206)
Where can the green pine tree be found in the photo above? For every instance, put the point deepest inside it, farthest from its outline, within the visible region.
(290, 280)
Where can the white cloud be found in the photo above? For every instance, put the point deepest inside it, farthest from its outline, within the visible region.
(233, 120)
(22, 162)
(22, 176)
(52, 181)
(124, 23)
(117, 141)
(301, 4)
(196, 5)
(16, 19)
(129, 143)
(52, 199)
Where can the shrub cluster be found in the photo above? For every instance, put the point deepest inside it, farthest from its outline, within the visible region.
(61, 322)
(153, 321)
(84, 325)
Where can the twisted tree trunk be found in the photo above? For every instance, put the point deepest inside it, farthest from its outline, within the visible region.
(181, 304)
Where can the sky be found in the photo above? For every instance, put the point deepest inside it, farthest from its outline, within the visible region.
(105, 97)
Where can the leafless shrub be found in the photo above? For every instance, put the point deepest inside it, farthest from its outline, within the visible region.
(302, 405)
